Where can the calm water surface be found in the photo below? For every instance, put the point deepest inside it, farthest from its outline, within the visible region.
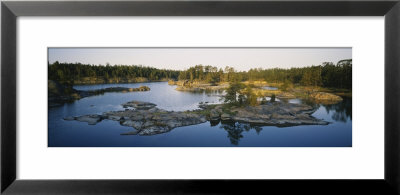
(270, 88)
(107, 133)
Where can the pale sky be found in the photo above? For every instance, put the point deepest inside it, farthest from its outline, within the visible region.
(241, 59)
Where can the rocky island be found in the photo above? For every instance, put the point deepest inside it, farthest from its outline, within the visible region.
(147, 119)
(196, 86)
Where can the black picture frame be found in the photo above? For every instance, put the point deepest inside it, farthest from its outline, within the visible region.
(11, 10)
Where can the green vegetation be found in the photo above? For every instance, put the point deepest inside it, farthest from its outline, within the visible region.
(285, 85)
(77, 73)
(244, 87)
(240, 94)
(272, 98)
(233, 95)
(250, 96)
(207, 74)
(327, 75)
(210, 74)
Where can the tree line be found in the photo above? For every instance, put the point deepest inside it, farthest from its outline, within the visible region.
(327, 74)
(70, 72)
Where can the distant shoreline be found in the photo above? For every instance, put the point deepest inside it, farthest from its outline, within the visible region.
(86, 84)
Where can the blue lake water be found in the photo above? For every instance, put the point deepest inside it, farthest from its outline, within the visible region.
(63, 133)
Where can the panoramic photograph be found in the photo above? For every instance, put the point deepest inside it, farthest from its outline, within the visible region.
(200, 97)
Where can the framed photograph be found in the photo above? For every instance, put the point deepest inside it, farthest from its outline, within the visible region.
(175, 101)
(222, 97)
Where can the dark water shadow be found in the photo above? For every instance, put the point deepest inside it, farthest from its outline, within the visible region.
(235, 130)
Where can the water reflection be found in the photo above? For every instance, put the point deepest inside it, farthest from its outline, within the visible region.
(342, 111)
(235, 130)
(107, 133)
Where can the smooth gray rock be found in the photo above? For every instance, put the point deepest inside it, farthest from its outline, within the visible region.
(214, 115)
(114, 118)
(148, 120)
(90, 119)
(225, 117)
(139, 105)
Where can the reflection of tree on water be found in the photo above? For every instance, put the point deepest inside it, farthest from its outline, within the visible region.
(342, 110)
(235, 130)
